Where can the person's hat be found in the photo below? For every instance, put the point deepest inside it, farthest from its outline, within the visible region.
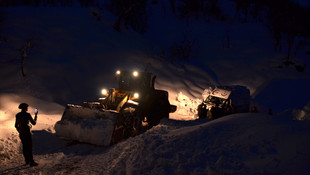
(23, 106)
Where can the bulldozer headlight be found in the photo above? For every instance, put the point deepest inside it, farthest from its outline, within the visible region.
(135, 73)
(136, 95)
(118, 72)
(104, 92)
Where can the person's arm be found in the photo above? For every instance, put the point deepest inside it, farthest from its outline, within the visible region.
(33, 121)
(35, 117)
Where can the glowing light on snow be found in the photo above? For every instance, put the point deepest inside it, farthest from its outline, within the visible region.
(2, 116)
(7, 121)
(135, 73)
(186, 107)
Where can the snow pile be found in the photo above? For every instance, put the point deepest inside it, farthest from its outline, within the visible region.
(303, 114)
(52, 159)
(9, 147)
(186, 108)
(235, 144)
(86, 125)
(8, 109)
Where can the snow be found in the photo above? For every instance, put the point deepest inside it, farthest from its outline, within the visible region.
(230, 145)
(302, 114)
(186, 107)
(49, 112)
(304, 3)
(73, 56)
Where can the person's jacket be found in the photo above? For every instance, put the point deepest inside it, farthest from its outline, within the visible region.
(22, 122)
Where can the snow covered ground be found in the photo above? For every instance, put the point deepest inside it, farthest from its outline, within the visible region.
(69, 63)
(237, 144)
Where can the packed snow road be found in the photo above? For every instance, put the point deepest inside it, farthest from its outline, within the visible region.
(57, 156)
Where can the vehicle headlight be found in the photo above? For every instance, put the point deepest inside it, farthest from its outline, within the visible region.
(104, 92)
(135, 73)
(118, 72)
(136, 95)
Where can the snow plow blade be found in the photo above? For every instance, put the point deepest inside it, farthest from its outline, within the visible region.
(88, 125)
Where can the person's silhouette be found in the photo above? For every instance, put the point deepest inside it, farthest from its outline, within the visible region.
(23, 126)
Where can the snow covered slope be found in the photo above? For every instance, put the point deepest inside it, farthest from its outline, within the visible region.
(71, 56)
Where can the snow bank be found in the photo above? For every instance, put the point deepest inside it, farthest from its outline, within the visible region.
(235, 144)
(303, 114)
(282, 94)
(186, 107)
(9, 147)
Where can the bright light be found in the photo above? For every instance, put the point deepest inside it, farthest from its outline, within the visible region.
(2, 116)
(104, 92)
(133, 102)
(136, 95)
(135, 73)
(118, 72)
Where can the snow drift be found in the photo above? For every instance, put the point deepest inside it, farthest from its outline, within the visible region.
(303, 114)
(235, 144)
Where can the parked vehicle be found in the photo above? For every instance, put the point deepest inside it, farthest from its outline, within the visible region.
(224, 100)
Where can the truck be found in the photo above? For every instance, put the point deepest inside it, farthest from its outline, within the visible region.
(224, 100)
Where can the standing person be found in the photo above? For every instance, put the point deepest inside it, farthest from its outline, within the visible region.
(23, 126)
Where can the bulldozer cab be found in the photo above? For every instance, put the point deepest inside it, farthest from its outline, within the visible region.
(133, 86)
(134, 81)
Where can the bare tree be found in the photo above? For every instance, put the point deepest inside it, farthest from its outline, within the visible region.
(24, 54)
(132, 13)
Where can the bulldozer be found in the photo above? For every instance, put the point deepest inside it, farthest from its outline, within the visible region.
(133, 108)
